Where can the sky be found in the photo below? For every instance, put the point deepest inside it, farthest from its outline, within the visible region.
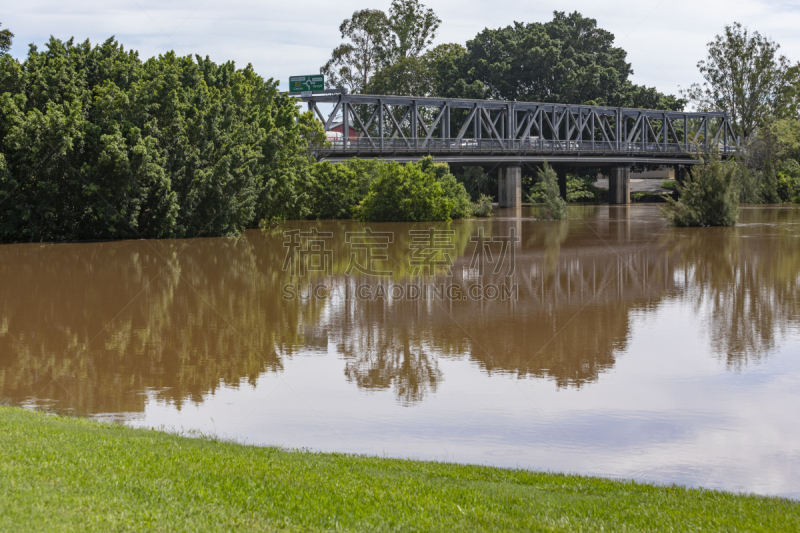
(664, 38)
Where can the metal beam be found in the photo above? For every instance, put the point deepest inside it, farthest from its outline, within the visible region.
(575, 131)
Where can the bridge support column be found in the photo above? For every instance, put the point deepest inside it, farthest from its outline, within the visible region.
(619, 185)
(561, 172)
(509, 187)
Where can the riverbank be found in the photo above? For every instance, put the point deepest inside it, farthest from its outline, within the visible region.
(63, 474)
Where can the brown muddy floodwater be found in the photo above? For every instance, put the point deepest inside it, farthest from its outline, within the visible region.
(608, 344)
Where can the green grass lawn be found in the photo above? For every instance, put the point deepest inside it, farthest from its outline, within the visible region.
(62, 474)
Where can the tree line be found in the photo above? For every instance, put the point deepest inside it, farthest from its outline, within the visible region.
(566, 60)
(97, 143)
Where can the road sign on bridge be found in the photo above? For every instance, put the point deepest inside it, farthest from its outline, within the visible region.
(301, 84)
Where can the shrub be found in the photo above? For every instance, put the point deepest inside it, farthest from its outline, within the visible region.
(579, 189)
(554, 208)
(668, 184)
(788, 182)
(335, 189)
(475, 181)
(709, 196)
(484, 206)
(414, 192)
(452, 189)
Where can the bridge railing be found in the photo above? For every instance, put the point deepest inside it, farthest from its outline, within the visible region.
(370, 145)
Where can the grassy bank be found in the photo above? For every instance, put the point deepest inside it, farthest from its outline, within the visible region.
(74, 474)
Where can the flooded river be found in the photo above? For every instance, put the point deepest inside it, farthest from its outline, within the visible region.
(608, 344)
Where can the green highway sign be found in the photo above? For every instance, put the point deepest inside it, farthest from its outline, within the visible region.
(301, 84)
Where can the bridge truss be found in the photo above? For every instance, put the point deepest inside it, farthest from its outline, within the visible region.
(461, 130)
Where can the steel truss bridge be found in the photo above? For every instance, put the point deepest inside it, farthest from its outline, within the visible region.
(462, 131)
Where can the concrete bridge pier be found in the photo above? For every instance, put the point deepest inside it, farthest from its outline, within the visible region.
(509, 186)
(619, 185)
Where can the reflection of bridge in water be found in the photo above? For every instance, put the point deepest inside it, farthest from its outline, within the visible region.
(507, 134)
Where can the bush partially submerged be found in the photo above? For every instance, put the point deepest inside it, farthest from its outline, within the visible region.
(579, 189)
(484, 206)
(98, 144)
(554, 207)
(415, 192)
(708, 196)
(335, 189)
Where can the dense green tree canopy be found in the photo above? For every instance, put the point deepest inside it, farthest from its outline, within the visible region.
(567, 60)
(95, 143)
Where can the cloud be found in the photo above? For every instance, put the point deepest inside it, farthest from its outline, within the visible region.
(664, 39)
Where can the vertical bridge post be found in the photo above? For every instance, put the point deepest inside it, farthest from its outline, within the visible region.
(619, 185)
(509, 186)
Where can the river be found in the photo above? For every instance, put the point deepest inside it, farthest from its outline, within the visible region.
(609, 344)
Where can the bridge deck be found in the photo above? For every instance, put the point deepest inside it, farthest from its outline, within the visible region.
(491, 131)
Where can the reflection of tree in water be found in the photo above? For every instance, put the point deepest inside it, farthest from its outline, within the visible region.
(218, 317)
(744, 280)
(571, 319)
(384, 357)
(108, 320)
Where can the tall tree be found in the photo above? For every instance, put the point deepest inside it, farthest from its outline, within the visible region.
(5, 40)
(745, 76)
(375, 41)
(413, 28)
(567, 60)
(353, 63)
(415, 75)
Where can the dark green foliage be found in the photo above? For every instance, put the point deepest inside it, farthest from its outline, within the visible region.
(554, 207)
(767, 165)
(414, 192)
(579, 189)
(708, 197)
(452, 189)
(568, 59)
(100, 145)
(475, 181)
(484, 207)
(788, 182)
(336, 189)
